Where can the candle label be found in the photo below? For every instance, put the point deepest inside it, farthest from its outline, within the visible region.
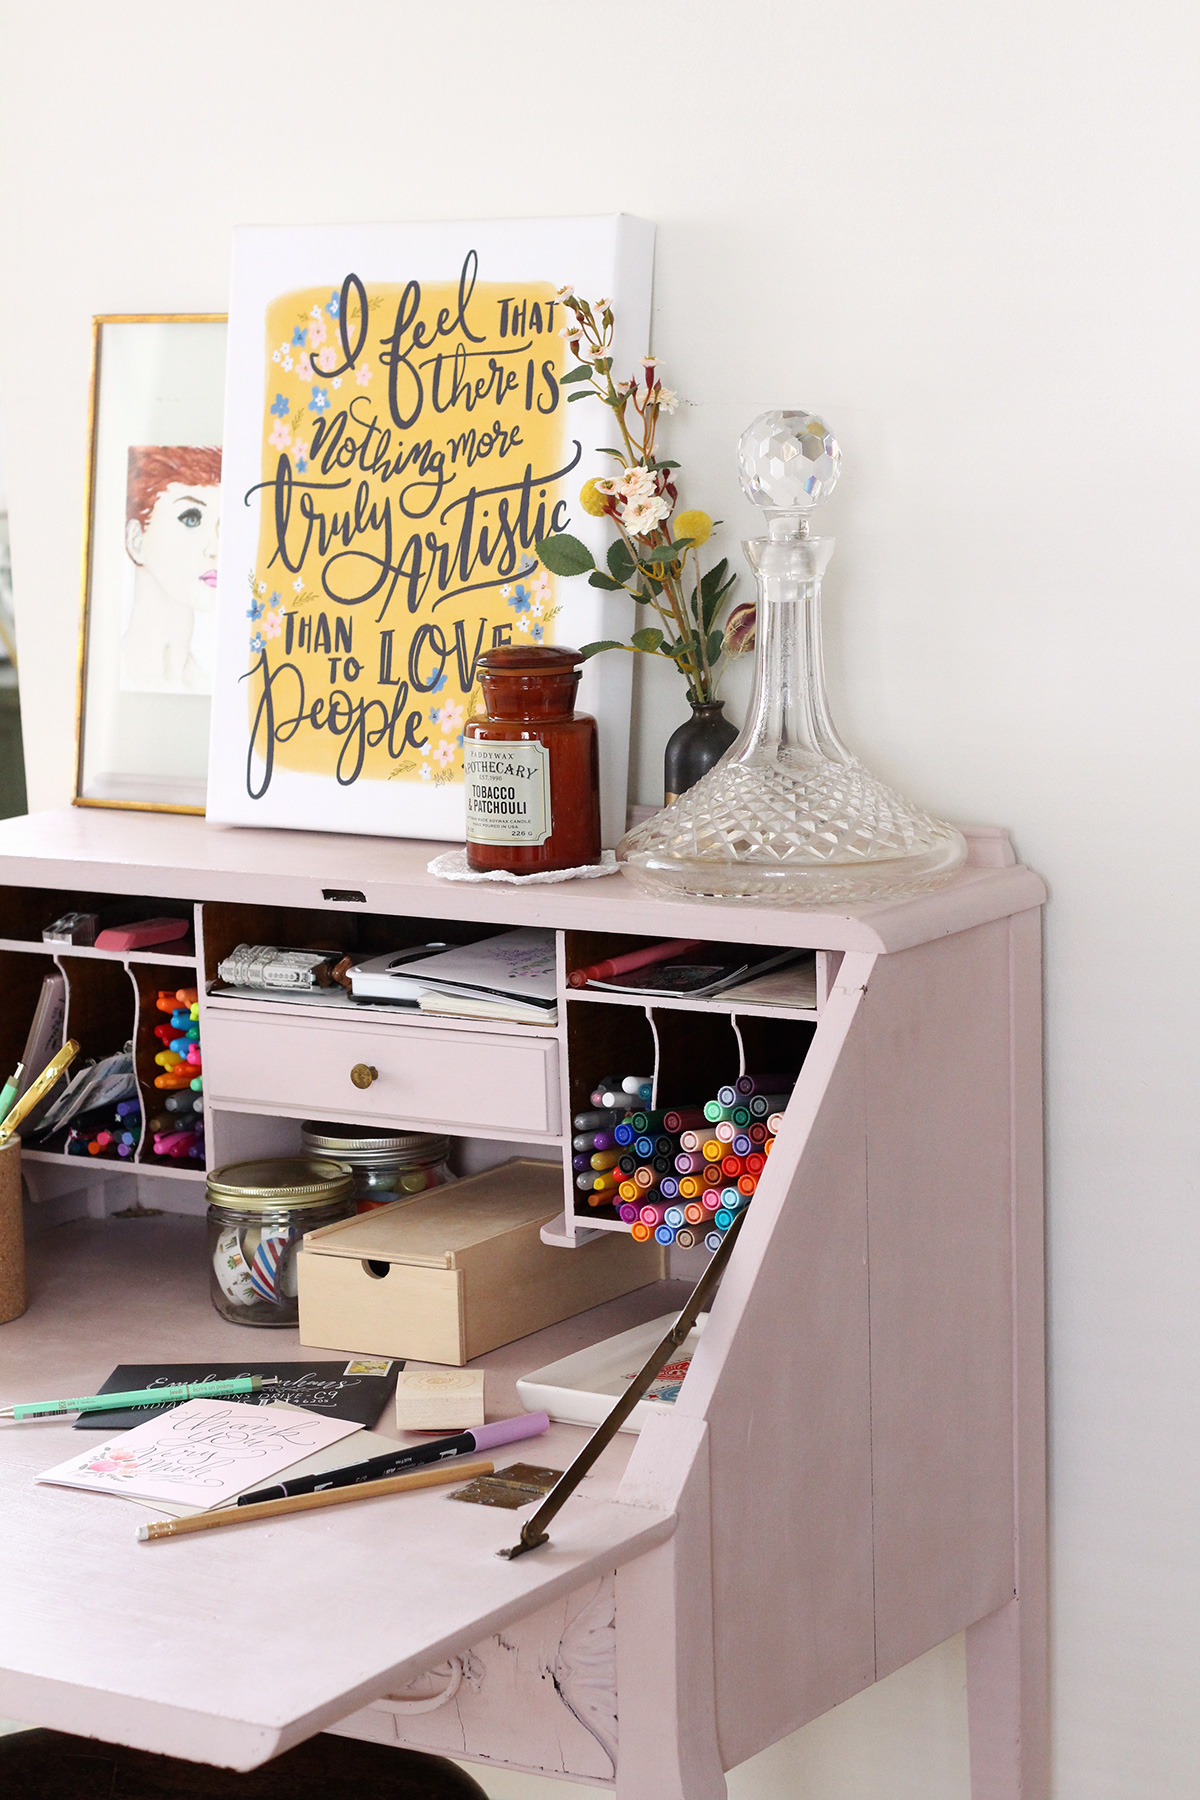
(508, 792)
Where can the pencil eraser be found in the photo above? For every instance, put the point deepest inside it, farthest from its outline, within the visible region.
(142, 934)
(143, 1534)
(439, 1399)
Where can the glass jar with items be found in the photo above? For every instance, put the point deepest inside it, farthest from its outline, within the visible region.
(386, 1165)
(532, 768)
(257, 1214)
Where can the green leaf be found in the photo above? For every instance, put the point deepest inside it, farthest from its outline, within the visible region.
(606, 450)
(583, 373)
(648, 638)
(715, 640)
(564, 555)
(620, 563)
(587, 650)
(662, 553)
(586, 394)
(596, 579)
(655, 464)
(713, 589)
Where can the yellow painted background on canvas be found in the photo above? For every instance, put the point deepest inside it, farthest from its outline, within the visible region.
(407, 470)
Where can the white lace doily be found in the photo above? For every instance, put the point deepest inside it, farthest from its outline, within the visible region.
(452, 866)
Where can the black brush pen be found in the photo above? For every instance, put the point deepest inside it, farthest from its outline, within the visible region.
(394, 1462)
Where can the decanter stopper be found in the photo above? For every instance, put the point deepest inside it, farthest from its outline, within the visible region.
(789, 462)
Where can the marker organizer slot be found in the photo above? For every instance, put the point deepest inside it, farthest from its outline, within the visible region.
(640, 1172)
(169, 1111)
(361, 934)
(22, 976)
(100, 1015)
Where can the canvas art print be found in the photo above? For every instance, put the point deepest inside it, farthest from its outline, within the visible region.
(397, 440)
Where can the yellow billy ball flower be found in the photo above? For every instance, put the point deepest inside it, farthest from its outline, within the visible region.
(695, 525)
(593, 501)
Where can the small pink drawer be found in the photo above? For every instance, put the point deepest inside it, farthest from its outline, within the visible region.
(456, 1080)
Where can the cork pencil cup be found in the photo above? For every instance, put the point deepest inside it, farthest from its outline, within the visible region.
(13, 1296)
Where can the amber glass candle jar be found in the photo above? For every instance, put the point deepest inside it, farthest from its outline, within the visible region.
(532, 767)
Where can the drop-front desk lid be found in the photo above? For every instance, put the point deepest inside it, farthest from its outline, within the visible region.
(231, 1645)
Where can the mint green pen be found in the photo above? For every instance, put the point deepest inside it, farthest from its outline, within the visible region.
(159, 1396)
(8, 1093)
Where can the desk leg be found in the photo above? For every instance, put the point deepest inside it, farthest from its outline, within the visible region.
(665, 1684)
(1007, 1697)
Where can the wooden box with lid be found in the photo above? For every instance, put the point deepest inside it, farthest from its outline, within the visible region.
(448, 1276)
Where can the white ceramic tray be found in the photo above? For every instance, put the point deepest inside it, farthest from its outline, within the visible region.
(580, 1389)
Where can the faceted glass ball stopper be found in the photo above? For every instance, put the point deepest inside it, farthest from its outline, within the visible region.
(789, 461)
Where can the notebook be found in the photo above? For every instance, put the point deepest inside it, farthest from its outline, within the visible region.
(720, 966)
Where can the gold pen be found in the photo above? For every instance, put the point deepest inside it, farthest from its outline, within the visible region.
(36, 1089)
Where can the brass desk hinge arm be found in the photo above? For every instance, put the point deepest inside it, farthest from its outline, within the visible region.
(534, 1532)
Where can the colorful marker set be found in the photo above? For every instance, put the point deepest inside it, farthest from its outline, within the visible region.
(678, 1175)
(111, 1132)
(178, 1130)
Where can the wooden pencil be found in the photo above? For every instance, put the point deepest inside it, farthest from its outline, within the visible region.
(439, 1476)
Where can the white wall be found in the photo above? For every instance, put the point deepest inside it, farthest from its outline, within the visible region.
(965, 232)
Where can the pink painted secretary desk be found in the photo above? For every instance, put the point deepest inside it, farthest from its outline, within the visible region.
(854, 1468)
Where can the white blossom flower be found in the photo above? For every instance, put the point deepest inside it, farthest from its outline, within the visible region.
(563, 293)
(570, 331)
(637, 484)
(643, 515)
(624, 387)
(665, 400)
(603, 306)
(648, 362)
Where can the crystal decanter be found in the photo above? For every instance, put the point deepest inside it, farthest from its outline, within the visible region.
(789, 817)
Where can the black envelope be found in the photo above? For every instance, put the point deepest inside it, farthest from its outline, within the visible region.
(357, 1389)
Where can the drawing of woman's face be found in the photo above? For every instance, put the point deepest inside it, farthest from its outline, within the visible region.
(178, 543)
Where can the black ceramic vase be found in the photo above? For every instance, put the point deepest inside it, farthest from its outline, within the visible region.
(691, 751)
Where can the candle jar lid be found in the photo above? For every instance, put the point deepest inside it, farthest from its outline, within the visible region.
(529, 659)
(529, 681)
(291, 1181)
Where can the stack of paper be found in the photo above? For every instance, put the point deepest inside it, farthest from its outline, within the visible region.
(510, 976)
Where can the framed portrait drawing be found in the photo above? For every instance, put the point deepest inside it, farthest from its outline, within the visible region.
(397, 440)
(151, 536)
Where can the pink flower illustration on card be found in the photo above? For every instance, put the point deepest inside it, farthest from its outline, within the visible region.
(113, 1462)
(443, 754)
(281, 437)
(304, 368)
(362, 374)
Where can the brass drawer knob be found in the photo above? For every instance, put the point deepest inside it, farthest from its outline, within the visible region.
(363, 1074)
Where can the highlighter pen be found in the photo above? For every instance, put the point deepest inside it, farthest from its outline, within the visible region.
(394, 1462)
(159, 1396)
(36, 1089)
(9, 1091)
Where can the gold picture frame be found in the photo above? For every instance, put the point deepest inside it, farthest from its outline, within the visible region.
(155, 412)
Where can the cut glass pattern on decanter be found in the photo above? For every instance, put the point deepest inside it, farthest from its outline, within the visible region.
(789, 816)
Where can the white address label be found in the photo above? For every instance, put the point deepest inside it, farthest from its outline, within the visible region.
(508, 792)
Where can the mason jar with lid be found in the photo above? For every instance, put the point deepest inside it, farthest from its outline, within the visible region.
(257, 1214)
(387, 1165)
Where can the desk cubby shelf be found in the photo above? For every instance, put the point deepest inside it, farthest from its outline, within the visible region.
(853, 1470)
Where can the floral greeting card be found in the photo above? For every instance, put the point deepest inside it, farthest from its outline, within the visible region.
(398, 439)
(201, 1454)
